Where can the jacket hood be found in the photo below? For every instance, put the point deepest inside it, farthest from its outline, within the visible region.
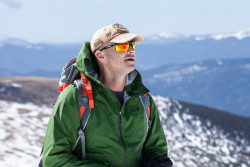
(87, 64)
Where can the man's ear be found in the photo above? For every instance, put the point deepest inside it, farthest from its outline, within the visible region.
(99, 56)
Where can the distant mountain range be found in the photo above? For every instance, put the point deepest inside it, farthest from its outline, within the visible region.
(21, 56)
(33, 57)
(221, 84)
(212, 70)
(161, 50)
(197, 136)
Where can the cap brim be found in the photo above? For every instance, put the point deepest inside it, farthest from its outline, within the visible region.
(127, 37)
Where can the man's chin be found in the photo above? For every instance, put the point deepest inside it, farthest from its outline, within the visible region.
(131, 69)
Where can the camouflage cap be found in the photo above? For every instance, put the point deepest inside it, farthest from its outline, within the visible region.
(115, 33)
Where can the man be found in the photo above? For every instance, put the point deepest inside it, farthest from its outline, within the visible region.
(116, 133)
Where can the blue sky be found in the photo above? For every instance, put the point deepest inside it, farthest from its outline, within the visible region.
(64, 21)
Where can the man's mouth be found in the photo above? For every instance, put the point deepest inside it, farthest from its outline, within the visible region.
(130, 59)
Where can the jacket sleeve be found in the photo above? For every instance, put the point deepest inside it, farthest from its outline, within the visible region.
(61, 133)
(155, 144)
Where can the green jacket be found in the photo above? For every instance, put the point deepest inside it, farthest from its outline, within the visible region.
(111, 139)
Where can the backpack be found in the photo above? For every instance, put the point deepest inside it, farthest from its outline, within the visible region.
(70, 75)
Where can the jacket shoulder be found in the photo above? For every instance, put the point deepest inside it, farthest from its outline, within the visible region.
(67, 102)
(68, 94)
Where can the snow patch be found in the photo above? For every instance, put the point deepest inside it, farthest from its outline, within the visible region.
(177, 75)
(178, 119)
(9, 83)
(219, 62)
(239, 35)
(195, 68)
(23, 132)
(247, 66)
(169, 35)
(169, 76)
(199, 38)
(15, 85)
(32, 46)
(225, 150)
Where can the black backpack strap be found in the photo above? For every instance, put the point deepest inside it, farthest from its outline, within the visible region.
(84, 111)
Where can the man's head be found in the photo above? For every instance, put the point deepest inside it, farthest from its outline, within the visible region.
(115, 33)
(114, 48)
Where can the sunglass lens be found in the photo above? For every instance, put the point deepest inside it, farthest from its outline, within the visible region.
(133, 44)
(122, 47)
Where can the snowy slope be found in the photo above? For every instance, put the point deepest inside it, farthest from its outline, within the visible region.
(197, 136)
(22, 129)
(191, 142)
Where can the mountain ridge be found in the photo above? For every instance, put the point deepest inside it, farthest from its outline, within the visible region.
(221, 84)
(152, 52)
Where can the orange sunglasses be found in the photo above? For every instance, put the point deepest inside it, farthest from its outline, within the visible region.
(120, 46)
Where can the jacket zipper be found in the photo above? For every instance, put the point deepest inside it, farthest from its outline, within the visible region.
(122, 140)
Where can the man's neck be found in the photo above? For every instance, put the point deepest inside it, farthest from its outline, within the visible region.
(112, 81)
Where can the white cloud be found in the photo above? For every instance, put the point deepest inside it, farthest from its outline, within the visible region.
(11, 3)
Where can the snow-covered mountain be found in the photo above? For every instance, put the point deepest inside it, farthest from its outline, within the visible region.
(195, 141)
(197, 136)
(191, 49)
(239, 35)
(22, 130)
(166, 38)
(221, 84)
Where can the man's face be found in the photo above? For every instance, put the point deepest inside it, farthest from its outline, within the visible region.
(119, 62)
